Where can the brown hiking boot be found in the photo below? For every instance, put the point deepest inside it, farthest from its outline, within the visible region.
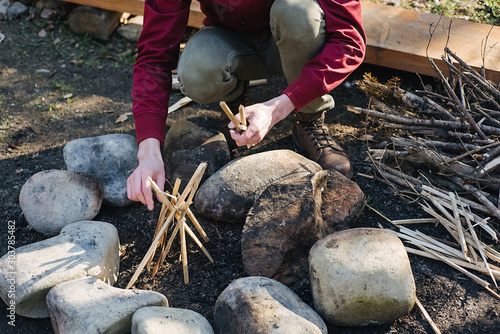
(312, 135)
(245, 100)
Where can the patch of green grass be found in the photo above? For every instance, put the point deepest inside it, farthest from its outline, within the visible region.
(54, 118)
(127, 57)
(83, 42)
(39, 102)
(483, 11)
(62, 86)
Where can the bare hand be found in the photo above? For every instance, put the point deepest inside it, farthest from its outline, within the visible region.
(150, 165)
(261, 117)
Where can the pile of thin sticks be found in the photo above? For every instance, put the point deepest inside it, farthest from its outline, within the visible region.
(175, 207)
(467, 252)
(443, 151)
(447, 141)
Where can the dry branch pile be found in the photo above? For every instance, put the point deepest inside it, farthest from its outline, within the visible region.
(445, 152)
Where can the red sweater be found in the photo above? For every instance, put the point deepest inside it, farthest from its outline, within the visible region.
(165, 22)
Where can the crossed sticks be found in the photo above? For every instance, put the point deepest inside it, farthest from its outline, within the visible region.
(174, 208)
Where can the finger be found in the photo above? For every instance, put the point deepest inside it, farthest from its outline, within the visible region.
(129, 195)
(147, 194)
(160, 182)
(131, 189)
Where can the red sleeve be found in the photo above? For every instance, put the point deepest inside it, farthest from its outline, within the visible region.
(344, 51)
(165, 22)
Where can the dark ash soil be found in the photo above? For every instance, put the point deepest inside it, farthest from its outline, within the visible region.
(85, 86)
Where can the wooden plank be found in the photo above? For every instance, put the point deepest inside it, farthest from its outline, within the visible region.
(195, 15)
(398, 38)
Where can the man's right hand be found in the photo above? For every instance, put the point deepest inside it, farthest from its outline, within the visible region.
(150, 165)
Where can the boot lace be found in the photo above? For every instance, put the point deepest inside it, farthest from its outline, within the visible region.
(319, 133)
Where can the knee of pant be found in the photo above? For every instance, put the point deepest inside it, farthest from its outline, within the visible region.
(298, 18)
(198, 83)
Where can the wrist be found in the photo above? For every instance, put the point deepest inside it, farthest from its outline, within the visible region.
(284, 106)
(149, 148)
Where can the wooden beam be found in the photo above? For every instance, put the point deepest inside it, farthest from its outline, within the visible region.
(401, 39)
(397, 38)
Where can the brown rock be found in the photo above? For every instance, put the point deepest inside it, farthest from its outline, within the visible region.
(98, 23)
(290, 216)
(187, 145)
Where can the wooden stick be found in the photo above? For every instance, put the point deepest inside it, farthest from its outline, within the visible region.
(456, 261)
(471, 152)
(458, 222)
(415, 236)
(467, 202)
(458, 104)
(440, 108)
(425, 122)
(475, 278)
(159, 225)
(148, 254)
(480, 249)
(184, 251)
(194, 179)
(231, 117)
(476, 76)
(479, 195)
(191, 217)
(243, 119)
(415, 221)
(197, 225)
(197, 241)
(427, 317)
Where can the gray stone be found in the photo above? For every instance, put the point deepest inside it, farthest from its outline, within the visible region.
(90, 306)
(50, 4)
(48, 14)
(187, 145)
(361, 276)
(4, 5)
(262, 305)
(86, 248)
(16, 9)
(160, 320)
(53, 199)
(111, 158)
(290, 216)
(229, 194)
(130, 31)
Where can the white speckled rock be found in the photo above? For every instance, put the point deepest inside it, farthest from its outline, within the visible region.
(90, 306)
(361, 276)
(111, 158)
(256, 304)
(161, 320)
(229, 194)
(54, 198)
(86, 248)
